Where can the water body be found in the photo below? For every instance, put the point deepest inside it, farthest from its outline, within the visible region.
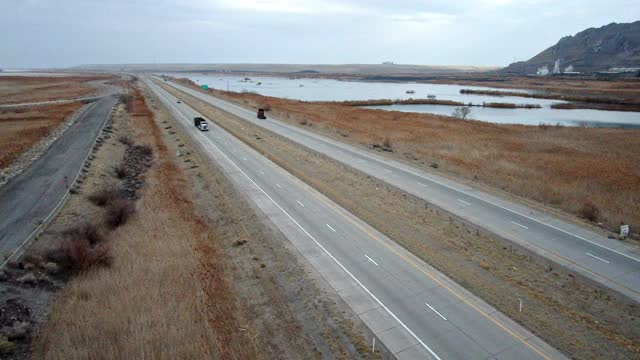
(335, 90)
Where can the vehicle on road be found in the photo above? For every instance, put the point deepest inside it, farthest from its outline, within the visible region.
(261, 114)
(201, 123)
(179, 102)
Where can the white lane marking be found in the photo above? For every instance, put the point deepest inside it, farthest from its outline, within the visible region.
(224, 104)
(261, 172)
(329, 226)
(464, 202)
(436, 311)
(244, 158)
(301, 204)
(370, 259)
(522, 226)
(387, 170)
(423, 184)
(278, 185)
(599, 258)
(63, 199)
(404, 326)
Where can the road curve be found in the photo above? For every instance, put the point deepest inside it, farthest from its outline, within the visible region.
(29, 199)
(414, 310)
(606, 261)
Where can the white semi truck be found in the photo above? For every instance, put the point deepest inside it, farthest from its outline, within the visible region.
(201, 124)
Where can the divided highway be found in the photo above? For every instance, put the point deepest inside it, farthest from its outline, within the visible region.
(415, 311)
(607, 261)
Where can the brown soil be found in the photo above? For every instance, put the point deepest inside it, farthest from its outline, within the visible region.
(27, 89)
(565, 168)
(570, 313)
(22, 128)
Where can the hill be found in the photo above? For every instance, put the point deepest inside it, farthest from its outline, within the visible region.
(594, 49)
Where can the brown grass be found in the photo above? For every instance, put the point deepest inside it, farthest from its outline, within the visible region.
(22, 128)
(564, 167)
(165, 295)
(19, 89)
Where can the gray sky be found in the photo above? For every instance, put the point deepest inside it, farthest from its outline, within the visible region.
(57, 33)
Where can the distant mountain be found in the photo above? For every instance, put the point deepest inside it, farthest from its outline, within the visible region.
(611, 46)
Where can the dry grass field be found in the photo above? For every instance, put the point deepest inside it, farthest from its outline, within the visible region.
(591, 172)
(149, 302)
(19, 89)
(21, 128)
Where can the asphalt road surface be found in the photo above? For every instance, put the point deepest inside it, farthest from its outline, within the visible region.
(607, 261)
(30, 197)
(415, 311)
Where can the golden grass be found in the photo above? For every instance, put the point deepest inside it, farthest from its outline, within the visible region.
(563, 167)
(165, 296)
(22, 128)
(19, 89)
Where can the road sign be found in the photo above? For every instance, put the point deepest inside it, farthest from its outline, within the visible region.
(624, 231)
(204, 87)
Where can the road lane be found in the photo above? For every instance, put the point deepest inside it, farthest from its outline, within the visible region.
(562, 242)
(28, 199)
(384, 284)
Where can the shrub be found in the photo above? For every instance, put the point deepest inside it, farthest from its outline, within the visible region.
(387, 143)
(80, 254)
(104, 196)
(590, 212)
(127, 100)
(145, 150)
(124, 139)
(118, 212)
(84, 232)
(120, 171)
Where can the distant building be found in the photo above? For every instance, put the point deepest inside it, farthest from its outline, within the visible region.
(543, 71)
(556, 68)
(387, 63)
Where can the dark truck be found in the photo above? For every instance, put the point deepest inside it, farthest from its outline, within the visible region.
(261, 114)
(201, 124)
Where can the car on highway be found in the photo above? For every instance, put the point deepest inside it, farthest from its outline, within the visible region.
(179, 102)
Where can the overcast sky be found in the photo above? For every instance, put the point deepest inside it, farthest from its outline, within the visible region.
(60, 33)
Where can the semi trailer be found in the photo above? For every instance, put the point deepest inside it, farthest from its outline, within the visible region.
(201, 124)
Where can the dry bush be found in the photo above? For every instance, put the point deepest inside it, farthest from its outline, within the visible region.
(120, 171)
(126, 140)
(84, 232)
(105, 196)
(590, 212)
(118, 212)
(81, 255)
(387, 143)
(145, 150)
(127, 100)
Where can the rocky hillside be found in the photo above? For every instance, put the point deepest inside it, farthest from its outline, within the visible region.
(610, 46)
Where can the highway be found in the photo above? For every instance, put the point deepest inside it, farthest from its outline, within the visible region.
(415, 311)
(33, 196)
(607, 261)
